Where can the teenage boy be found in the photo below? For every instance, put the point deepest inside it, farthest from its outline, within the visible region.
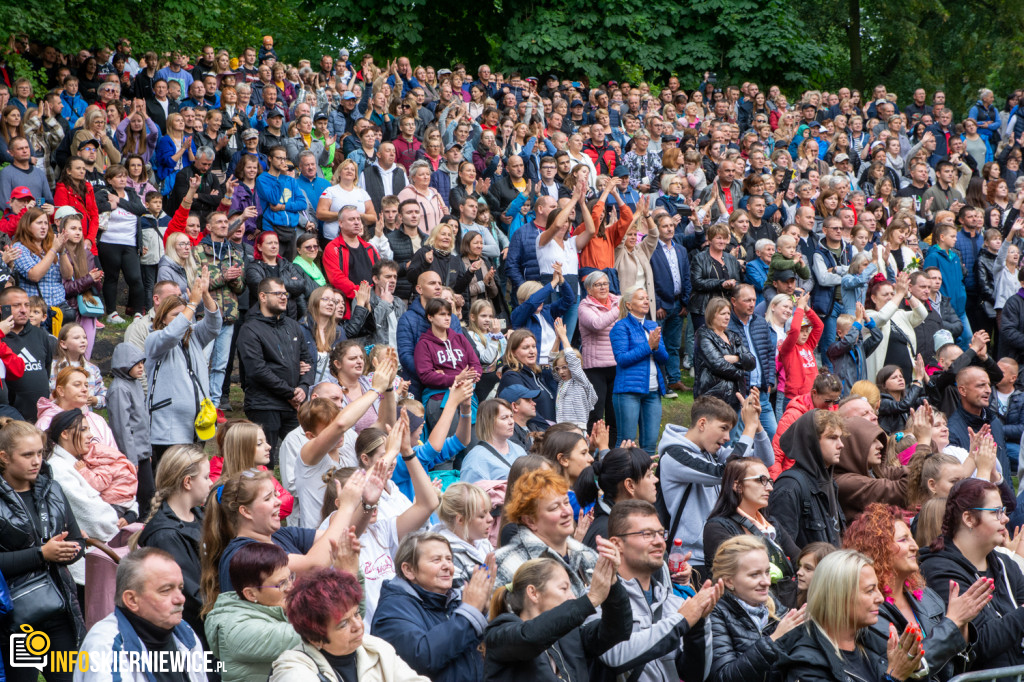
(692, 462)
(943, 255)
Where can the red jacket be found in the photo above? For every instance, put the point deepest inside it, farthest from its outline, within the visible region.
(178, 222)
(406, 152)
(604, 158)
(798, 360)
(335, 262)
(796, 408)
(287, 501)
(9, 223)
(62, 196)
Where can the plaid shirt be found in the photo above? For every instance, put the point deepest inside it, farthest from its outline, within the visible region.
(50, 287)
(525, 546)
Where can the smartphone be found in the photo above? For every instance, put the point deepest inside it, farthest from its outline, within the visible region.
(5, 312)
(502, 323)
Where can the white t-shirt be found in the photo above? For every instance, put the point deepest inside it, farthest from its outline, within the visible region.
(376, 557)
(340, 198)
(309, 481)
(552, 253)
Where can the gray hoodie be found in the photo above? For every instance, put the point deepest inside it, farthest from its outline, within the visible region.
(685, 466)
(126, 405)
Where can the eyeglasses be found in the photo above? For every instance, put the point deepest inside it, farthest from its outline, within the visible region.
(648, 535)
(311, 247)
(998, 511)
(278, 157)
(283, 294)
(281, 585)
(829, 403)
(765, 481)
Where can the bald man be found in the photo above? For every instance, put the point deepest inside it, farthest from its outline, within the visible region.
(974, 388)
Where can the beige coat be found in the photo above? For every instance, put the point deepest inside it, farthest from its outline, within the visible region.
(376, 661)
(627, 264)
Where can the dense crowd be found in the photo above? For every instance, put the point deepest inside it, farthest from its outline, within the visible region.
(456, 304)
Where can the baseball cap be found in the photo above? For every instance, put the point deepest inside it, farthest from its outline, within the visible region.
(91, 140)
(348, 94)
(785, 275)
(621, 172)
(941, 338)
(250, 133)
(415, 421)
(840, 158)
(807, 105)
(320, 116)
(275, 113)
(515, 392)
(64, 212)
(21, 193)
(576, 103)
(342, 52)
(532, 79)
(669, 139)
(443, 72)
(453, 145)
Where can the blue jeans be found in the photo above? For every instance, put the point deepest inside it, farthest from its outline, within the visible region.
(768, 421)
(828, 335)
(672, 334)
(638, 413)
(217, 358)
(965, 337)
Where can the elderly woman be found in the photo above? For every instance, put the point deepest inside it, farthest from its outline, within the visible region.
(95, 128)
(632, 259)
(323, 608)
(881, 534)
(598, 313)
(639, 383)
(247, 629)
(432, 206)
(542, 509)
(417, 610)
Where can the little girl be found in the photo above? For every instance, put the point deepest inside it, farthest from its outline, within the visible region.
(576, 395)
(489, 344)
(808, 560)
(1007, 263)
(855, 281)
(465, 514)
(244, 446)
(72, 344)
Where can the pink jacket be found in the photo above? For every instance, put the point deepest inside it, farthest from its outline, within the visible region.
(110, 472)
(596, 321)
(46, 410)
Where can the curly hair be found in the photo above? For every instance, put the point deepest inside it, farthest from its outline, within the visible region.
(530, 489)
(871, 533)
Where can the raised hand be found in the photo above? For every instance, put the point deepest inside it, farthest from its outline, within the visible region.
(703, 603)
(904, 652)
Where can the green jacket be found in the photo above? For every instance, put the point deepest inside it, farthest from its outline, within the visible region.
(247, 637)
(216, 260)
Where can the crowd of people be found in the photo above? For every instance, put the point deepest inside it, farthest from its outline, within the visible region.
(456, 303)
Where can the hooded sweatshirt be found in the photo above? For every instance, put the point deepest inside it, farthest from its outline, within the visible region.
(439, 362)
(686, 467)
(860, 483)
(126, 405)
(821, 519)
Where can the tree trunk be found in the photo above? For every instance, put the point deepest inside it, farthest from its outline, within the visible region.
(853, 39)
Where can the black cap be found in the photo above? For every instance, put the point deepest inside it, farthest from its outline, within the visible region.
(784, 276)
(807, 105)
(321, 116)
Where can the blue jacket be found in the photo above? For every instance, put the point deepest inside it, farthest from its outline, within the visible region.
(436, 634)
(948, 263)
(531, 158)
(756, 276)
(663, 289)
(411, 326)
(282, 189)
(822, 296)
(524, 315)
(74, 107)
(765, 341)
(629, 344)
(969, 247)
(163, 163)
(521, 263)
(981, 113)
(1013, 420)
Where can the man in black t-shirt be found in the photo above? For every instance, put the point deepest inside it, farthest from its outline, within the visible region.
(32, 345)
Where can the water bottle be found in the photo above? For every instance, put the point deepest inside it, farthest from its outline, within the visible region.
(675, 559)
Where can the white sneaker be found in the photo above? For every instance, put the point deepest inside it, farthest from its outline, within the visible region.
(138, 316)
(671, 395)
(114, 318)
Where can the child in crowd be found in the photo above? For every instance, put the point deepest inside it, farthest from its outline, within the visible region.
(809, 558)
(72, 344)
(787, 258)
(855, 281)
(859, 237)
(126, 404)
(796, 354)
(847, 352)
(465, 514)
(576, 395)
(154, 224)
(38, 311)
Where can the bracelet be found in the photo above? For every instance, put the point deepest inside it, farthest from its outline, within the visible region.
(375, 391)
(192, 306)
(369, 508)
(465, 415)
(408, 458)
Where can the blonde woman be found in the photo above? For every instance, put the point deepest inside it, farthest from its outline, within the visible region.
(465, 514)
(177, 264)
(95, 128)
(245, 447)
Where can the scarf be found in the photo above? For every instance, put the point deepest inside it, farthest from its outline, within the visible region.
(758, 614)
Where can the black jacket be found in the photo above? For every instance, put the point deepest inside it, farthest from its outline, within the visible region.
(935, 320)
(805, 499)
(893, 414)
(166, 531)
(502, 193)
(942, 391)
(1011, 328)
(452, 270)
(375, 183)
(23, 533)
(207, 198)
(156, 112)
(712, 374)
(1000, 625)
(946, 650)
(985, 276)
(718, 529)
(269, 352)
(706, 284)
(810, 657)
(518, 650)
(107, 200)
(298, 285)
(741, 652)
(402, 253)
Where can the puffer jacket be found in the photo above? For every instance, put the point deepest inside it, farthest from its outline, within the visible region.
(376, 661)
(171, 271)
(742, 651)
(946, 651)
(860, 483)
(595, 322)
(126, 405)
(632, 354)
(247, 637)
(21, 539)
(811, 657)
(765, 343)
(1000, 624)
(712, 374)
(436, 634)
(892, 413)
(298, 286)
(706, 284)
(524, 315)
(519, 650)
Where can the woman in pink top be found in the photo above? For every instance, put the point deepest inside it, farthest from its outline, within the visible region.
(598, 313)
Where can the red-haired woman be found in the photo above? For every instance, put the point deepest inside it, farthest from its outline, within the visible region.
(881, 534)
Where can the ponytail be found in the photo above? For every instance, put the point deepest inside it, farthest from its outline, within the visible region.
(511, 598)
